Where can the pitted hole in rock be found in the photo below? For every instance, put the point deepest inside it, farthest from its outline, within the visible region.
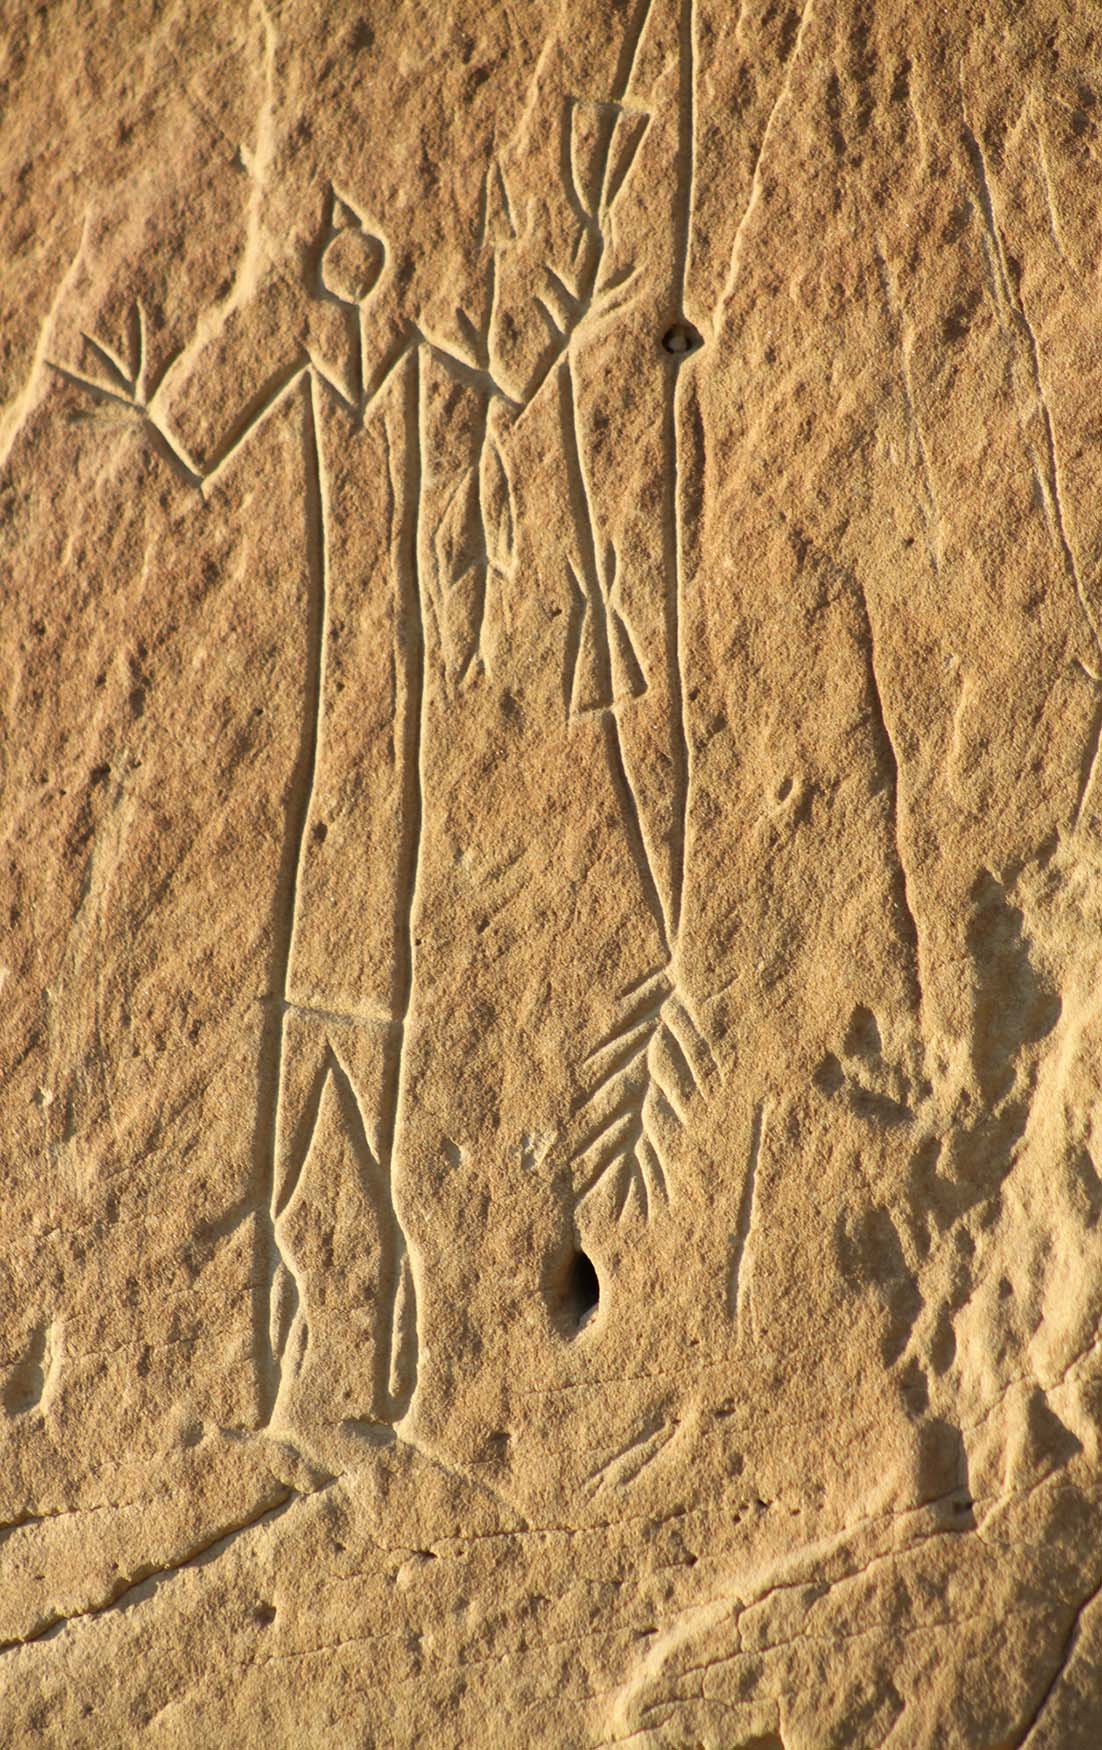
(681, 338)
(581, 1292)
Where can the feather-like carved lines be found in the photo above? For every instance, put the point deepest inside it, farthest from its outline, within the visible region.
(646, 1071)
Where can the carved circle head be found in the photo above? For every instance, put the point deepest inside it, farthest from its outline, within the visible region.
(352, 258)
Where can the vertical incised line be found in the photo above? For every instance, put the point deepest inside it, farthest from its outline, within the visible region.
(267, 1137)
(583, 523)
(411, 647)
(679, 741)
(594, 595)
(483, 562)
(683, 214)
(411, 662)
(629, 51)
(741, 1260)
(317, 547)
(673, 534)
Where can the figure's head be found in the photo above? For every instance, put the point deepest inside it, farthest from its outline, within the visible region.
(351, 258)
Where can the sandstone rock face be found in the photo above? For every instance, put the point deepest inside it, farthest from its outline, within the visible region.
(552, 870)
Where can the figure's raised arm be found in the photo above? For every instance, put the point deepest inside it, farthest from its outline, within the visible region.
(346, 268)
(128, 386)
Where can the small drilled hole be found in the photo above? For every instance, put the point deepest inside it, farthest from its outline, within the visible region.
(571, 1289)
(681, 338)
(583, 1290)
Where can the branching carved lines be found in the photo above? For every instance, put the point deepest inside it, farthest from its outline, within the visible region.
(588, 638)
(598, 144)
(603, 666)
(641, 1078)
(598, 638)
(128, 389)
(592, 300)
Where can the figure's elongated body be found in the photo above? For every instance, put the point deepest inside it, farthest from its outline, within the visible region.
(310, 1031)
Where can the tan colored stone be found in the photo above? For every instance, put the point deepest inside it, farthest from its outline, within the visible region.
(551, 1036)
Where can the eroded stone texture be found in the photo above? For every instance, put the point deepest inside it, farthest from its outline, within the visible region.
(552, 1032)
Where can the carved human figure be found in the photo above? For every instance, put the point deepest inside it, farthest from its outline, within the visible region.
(333, 1062)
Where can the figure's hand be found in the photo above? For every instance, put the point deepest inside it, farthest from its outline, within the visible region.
(118, 382)
(127, 387)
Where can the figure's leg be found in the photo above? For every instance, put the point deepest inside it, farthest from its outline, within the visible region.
(302, 1084)
(399, 1312)
(342, 1322)
(418, 538)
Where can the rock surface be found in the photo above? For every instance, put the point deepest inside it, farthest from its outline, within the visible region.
(552, 1030)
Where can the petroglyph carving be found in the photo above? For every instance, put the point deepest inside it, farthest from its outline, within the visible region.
(349, 262)
(552, 975)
